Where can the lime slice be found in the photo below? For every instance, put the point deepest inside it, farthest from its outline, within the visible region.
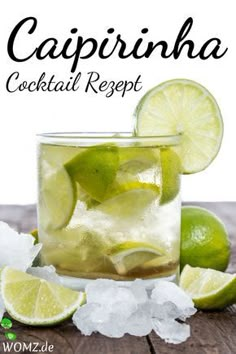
(186, 107)
(135, 160)
(129, 255)
(35, 301)
(210, 289)
(170, 166)
(95, 169)
(58, 196)
(139, 168)
(130, 203)
(129, 186)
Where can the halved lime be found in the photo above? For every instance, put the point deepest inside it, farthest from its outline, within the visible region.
(95, 169)
(129, 255)
(210, 289)
(58, 197)
(35, 301)
(186, 107)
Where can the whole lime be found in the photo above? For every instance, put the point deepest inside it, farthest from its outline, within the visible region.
(204, 239)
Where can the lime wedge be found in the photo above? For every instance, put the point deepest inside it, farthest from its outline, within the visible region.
(95, 169)
(139, 168)
(35, 301)
(58, 195)
(183, 107)
(135, 160)
(130, 203)
(132, 186)
(210, 289)
(170, 166)
(129, 255)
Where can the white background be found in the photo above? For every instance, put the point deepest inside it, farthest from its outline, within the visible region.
(24, 114)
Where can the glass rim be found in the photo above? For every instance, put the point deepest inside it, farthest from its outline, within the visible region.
(93, 138)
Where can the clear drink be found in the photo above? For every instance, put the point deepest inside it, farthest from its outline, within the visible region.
(109, 207)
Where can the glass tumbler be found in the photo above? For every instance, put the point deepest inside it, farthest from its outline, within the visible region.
(109, 206)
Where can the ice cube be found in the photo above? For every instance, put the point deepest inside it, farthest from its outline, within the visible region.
(171, 331)
(114, 327)
(100, 314)
(98, 318)
(16, 250)
(139, 291)
(165, 310)
(91, 220)
(177, 303)
(156, 310)
(95, 290)
(116, 298)
(82, 319)
(139, 323)
(47, 272)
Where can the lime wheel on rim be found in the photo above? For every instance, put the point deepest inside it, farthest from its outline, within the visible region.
(183, 107)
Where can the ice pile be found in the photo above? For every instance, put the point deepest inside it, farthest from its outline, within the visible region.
(47, 272)
(114, 309)
(17, 251)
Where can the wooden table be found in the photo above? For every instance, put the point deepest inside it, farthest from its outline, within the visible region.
(211, 332)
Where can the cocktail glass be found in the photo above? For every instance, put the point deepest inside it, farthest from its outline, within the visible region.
(109, 206)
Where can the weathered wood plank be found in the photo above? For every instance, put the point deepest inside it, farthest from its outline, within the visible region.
(211, 333)
(68, 340)
(22, 218)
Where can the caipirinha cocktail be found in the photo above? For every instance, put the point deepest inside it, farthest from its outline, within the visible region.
(109, 207)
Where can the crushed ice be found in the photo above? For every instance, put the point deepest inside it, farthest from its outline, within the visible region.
(109, 228)
(114, 309)
(16, 250)
(47, 272)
